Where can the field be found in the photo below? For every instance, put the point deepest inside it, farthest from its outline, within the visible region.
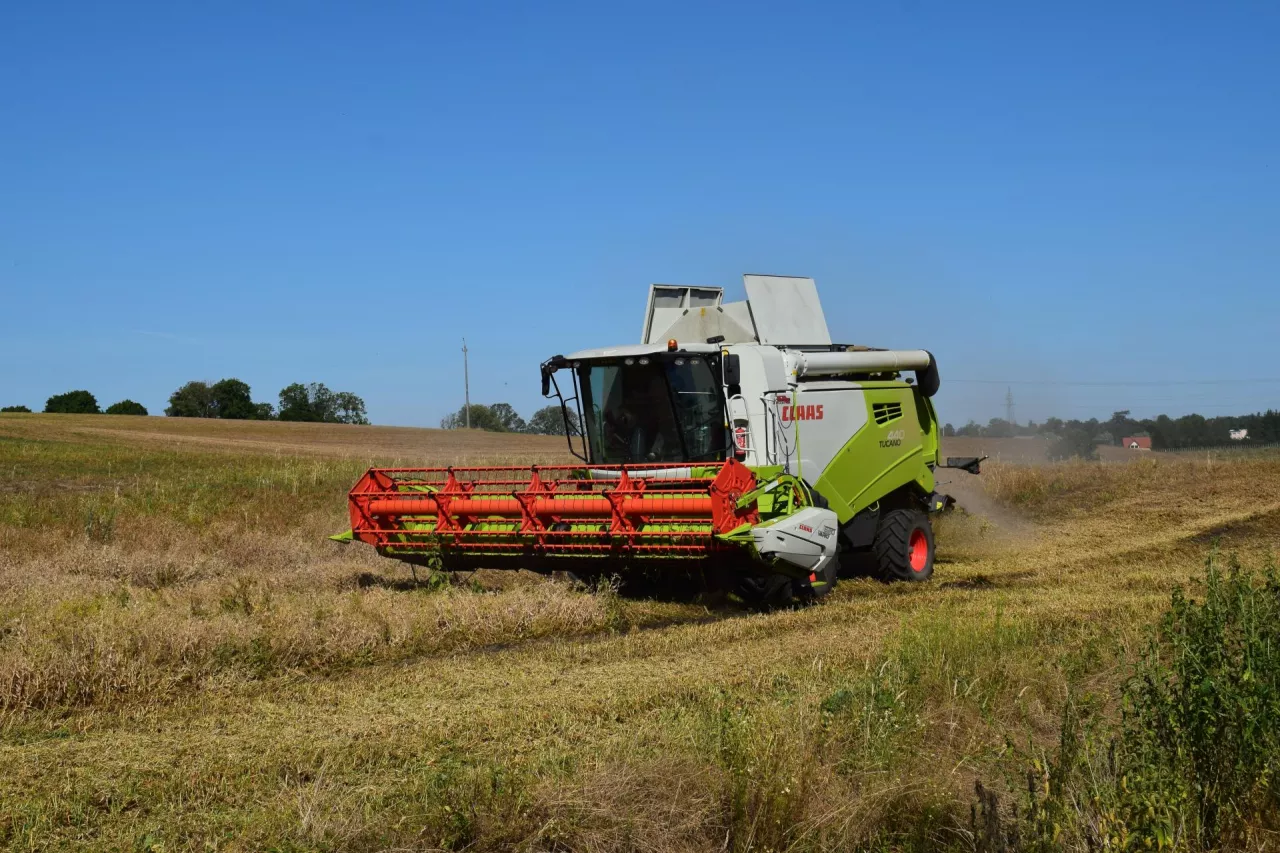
(186, 663)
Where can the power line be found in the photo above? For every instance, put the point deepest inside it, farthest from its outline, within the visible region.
(1137, 382)
(1233, 406)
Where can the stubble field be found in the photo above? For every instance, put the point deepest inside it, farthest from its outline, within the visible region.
(186, 663)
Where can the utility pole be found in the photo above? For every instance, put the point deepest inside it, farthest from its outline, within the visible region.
(466, 382)
(1008, 407)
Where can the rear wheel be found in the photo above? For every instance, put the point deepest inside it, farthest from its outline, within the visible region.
(904, 546)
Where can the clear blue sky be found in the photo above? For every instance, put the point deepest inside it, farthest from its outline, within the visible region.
(298, 191)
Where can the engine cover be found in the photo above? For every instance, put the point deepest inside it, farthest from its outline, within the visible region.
(806, 539)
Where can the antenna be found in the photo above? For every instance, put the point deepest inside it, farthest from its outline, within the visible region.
(466, 383)
(1008, 407)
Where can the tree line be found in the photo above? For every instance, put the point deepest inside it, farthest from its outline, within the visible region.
(228, 399)
(82, 403)
(231, 399)
(1081, 438)
(502, 417)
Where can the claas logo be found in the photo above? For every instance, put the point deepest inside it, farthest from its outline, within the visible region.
(798, 413)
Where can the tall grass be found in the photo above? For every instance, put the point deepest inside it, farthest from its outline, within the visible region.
(129, 573)
(1191, 763)
(186, 663)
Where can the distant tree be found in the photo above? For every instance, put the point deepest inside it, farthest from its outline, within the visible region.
(999, 428)
(349, 409)
(314, 402)
(126, 407)
(970, 430)
(550, 421)
(16, 409)
(948, 431)
(482, 417)
(1052, 425)
(508, 417)
(1076, 441)
(193, 400)
(1194, 431)
(1121, 425)
(73, 403)
(264, 411)
(296, 404)
(232, 400)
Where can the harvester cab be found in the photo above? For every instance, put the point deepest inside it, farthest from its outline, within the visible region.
(735, 440)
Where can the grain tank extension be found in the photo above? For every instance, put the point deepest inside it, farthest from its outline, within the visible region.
(735, 441)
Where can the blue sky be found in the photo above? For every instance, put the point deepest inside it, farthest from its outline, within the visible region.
(1043, 194)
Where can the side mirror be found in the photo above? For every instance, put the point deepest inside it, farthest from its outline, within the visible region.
(546, 382)
(732, 370)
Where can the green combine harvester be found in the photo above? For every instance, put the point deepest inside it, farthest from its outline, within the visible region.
(736, 442)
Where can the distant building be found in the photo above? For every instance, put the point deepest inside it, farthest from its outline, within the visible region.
(1137, 442)
(1239, 434)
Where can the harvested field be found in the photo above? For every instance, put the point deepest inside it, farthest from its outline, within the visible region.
(186, 663)
(1020, 451)
(1025, 451)
(381, 444)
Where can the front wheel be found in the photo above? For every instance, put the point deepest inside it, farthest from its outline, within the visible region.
(777, 591)
(904, 546)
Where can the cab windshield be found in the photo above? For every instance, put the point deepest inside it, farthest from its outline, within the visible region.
(653, 409)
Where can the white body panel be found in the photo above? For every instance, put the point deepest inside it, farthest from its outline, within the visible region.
(786, 310)
(780, 414)
(806, 538)
(694, 314)
(820, 419)
(779, 309)
(763, 376)
(669, 302)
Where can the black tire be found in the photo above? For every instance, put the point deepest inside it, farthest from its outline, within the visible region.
(778, 591)
(904, 546)
(766, 592)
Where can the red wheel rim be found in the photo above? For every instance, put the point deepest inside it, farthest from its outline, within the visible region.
(918, 550)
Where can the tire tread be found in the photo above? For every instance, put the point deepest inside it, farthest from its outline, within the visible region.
(890, 545)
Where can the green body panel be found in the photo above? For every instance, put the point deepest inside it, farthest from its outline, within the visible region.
(881, 458)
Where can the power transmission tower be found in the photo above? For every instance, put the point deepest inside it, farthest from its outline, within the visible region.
(1008, 407)
(466, 383)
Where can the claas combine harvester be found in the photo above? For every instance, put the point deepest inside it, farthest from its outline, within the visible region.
(735, 443)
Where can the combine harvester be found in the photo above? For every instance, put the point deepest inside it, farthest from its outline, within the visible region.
(736, 442)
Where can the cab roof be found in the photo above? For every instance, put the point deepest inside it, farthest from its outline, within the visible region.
(632, 350)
